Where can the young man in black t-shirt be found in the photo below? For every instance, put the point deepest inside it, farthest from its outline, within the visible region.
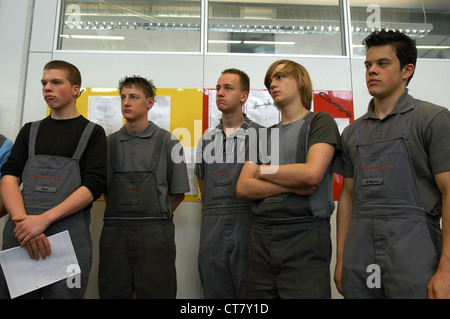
(61, 161)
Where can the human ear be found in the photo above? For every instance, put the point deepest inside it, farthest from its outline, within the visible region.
(150, 102)
(244, 97)
(76, 90)
(408, 71)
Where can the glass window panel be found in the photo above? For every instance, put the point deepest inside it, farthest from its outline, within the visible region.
(137, 25)
(275, 27)
(428, 22)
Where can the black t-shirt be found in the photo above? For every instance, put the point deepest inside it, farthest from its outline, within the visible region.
(60, 138)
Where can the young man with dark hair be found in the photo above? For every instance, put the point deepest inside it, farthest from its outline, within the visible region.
(290, 245)
(226, 219)
(396, 167)
(145, 186)
(61, 162)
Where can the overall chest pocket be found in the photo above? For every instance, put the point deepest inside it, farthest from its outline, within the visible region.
(133, 195)
(385, 174)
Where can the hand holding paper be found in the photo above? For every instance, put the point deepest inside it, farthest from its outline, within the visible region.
(29, 233)
(29, 227)
(39, 245)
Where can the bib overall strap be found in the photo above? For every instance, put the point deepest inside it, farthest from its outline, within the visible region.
(2, 140)
(303, 137)
(33, 134)
(159, 145)
(83, 141)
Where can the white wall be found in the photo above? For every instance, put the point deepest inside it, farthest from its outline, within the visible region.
(167, 71)
(14, 45)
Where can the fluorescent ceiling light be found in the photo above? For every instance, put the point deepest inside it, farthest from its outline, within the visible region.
(224, 41)
(269, 42)
(438, 47)
(433, 47)
(97, 37)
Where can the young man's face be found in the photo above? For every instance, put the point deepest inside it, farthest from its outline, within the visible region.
(135, 105)
(229, 96)
(283, 89)
(383, 73)
(57, 90)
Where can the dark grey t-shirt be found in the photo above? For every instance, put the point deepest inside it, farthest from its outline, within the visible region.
(134, 153)
(427, 142)
(323, 129)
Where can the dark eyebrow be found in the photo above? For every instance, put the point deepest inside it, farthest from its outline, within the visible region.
(225, 85)
(378, 60)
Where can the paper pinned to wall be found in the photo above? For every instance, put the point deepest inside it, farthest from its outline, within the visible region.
(105, 111)
(160, 112)
(260, 108)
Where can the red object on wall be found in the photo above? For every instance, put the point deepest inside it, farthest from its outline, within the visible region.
(340, 105)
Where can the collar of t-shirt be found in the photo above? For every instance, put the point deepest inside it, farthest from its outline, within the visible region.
(404, 104)
(244, 126)
(146, 133)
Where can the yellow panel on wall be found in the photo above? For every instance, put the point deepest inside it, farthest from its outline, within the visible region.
(186, 111)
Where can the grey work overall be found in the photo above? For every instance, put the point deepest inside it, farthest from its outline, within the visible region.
(226, 223)
(137, 247)
(290, 245)
(392, 247)
(47, 182)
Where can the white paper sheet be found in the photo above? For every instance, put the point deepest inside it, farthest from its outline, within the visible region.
(106, 111)
(24, 274)
(259, 108)
(160, 112)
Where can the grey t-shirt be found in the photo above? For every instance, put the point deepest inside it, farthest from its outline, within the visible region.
(134, 153)
(323, 129)
(427, 142)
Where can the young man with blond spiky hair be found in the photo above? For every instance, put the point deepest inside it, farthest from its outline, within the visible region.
(144, 187)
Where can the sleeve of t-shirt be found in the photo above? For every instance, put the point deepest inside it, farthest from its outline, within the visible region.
(177, 170)
(437, 139)
(5, 150)
(93, 175)
(324, 130)
(18, 157)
